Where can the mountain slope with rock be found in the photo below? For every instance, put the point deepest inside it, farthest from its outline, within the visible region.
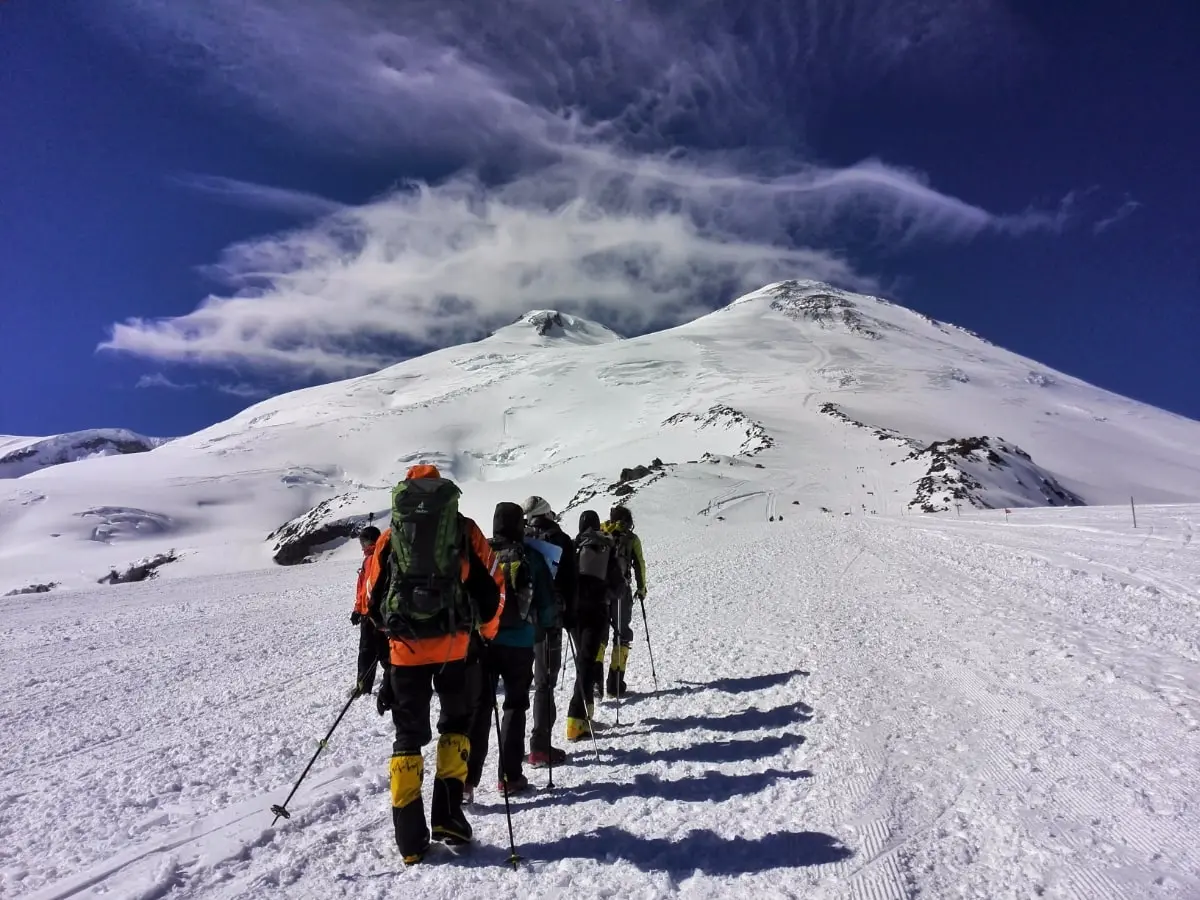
(798, 397)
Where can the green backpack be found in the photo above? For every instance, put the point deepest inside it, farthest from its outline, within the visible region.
(426, 597)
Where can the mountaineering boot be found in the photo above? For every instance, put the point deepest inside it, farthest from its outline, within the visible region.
(516, 785)
(616, 672)
(408, 811)
(578, 730)
(539, 759)
(450, 825)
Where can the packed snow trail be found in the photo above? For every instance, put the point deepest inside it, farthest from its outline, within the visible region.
(851, 708)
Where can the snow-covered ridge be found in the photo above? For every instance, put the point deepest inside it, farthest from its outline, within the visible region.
(21, 455)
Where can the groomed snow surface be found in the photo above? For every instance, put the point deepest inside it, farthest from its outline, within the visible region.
(860, 707)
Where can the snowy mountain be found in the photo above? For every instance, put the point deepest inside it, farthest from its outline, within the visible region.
(798, 397)
(22, 455)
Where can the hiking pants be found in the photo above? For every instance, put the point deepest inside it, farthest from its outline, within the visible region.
(547, 660)
(413, 688)
(513, 665)
(588, 637)
(620, 610)
(373, 651)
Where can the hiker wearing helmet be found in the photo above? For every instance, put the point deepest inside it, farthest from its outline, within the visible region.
(372, 642)
(438, 581)
(542, 524)
(633, 567)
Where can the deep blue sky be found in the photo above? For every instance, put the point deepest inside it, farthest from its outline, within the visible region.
(95, 229)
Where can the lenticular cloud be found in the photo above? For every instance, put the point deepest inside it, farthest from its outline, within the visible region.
(632, 163)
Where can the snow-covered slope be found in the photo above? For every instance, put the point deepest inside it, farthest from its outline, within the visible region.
(22, 455)
(796, 398)
(867, 708)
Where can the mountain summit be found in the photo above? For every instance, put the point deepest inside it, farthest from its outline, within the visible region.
(798, 395)
(549, 327)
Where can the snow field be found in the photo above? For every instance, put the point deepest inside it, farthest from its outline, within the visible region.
(850, 708)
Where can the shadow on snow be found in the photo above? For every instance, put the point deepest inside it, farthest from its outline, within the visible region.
(751, 719)
(698, 851)
(741, 685)
(733, 751)
(710, 786)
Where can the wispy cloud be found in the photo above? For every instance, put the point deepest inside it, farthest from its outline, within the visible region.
(241, 389)
(260, 196)
(599, 156)
(159, 380)
(1123, 212)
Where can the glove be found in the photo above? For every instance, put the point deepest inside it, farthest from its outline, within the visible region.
(355, 617)
(640, 593)
(383, 699)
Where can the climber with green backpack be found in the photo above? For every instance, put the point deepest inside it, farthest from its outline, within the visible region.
(619, 527)
(438, 582)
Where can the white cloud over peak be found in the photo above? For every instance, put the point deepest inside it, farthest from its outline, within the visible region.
(599, 156)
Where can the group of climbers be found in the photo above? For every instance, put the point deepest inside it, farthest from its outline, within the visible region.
(443, 609)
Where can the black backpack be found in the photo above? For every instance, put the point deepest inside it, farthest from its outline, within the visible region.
(594, 553)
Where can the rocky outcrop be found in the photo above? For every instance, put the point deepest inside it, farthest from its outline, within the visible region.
(628, 483)
(828, 310)
(884, 434)
(727, 418)
(985, 473)
(321, 528)
(33, 589)
(139, 571)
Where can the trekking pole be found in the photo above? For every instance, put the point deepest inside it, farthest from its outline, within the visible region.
(513, 859)
(616, 648)
(582, 697)
(280, 810)
(649, 646)
(546, 703)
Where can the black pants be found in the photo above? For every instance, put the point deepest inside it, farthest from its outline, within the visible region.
(593, 625)
(515, 666)
(372, 652)
(413, 687)
(547, 660)
(620, 609)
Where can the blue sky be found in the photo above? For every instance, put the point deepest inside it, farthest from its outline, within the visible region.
(268, 195)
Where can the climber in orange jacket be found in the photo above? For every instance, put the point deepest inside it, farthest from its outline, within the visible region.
(373, 648)
(438, 582)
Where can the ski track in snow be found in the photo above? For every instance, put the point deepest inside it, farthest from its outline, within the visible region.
(891, 708)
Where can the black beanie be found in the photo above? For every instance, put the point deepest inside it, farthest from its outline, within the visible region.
(508, 522)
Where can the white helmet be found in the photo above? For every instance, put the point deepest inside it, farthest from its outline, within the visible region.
(538, 506)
